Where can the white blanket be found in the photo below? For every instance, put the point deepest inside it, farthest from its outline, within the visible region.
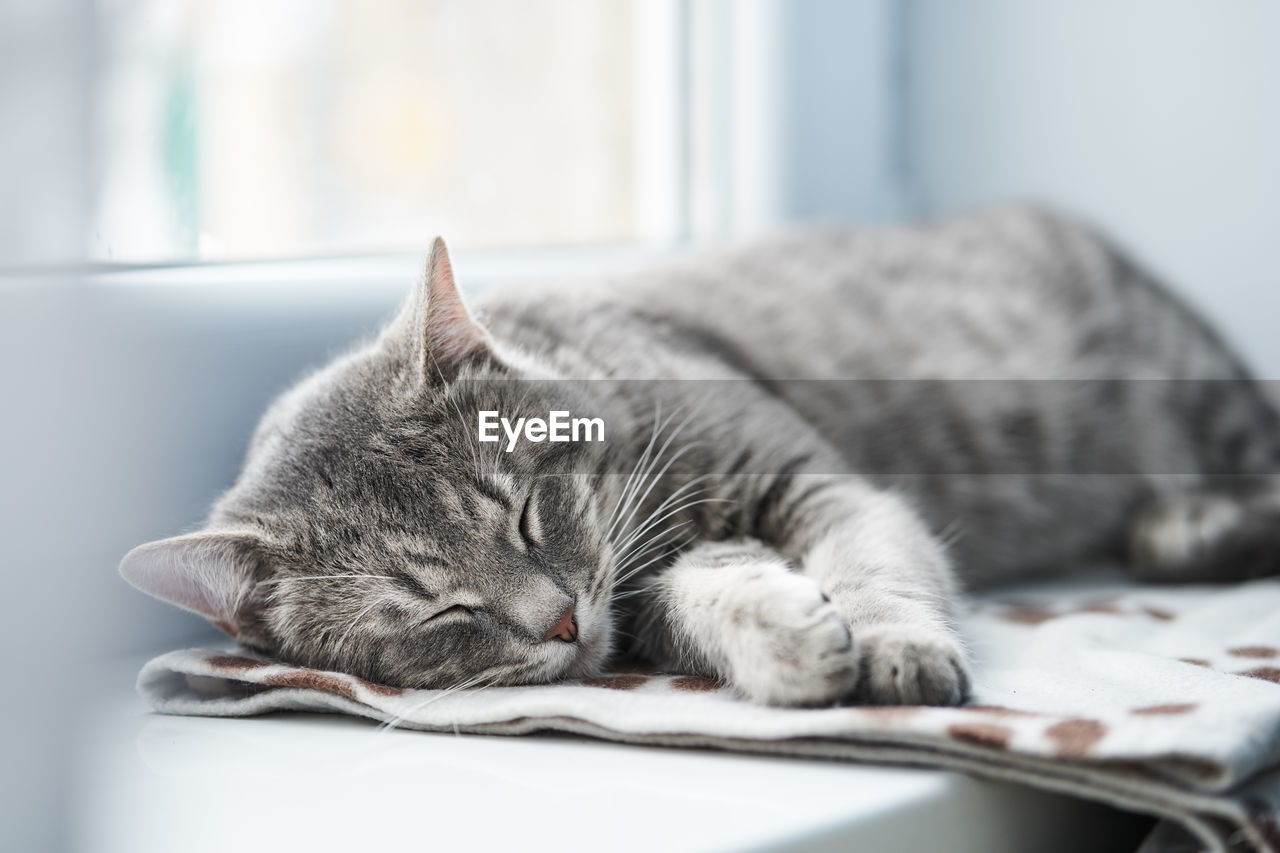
(1158, 700)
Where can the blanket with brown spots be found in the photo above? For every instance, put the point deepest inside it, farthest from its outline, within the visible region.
(1159, 700)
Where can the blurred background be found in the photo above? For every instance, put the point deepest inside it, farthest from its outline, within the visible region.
(200, 198)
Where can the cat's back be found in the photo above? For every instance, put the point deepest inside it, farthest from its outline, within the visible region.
(1011, 292)
(906, 323)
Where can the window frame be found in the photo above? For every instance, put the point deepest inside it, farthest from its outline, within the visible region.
(730, 122)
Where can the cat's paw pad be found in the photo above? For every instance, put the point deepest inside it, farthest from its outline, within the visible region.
(904, 665)
(790, 646)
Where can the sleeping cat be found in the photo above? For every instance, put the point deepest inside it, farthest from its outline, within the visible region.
(807, 442)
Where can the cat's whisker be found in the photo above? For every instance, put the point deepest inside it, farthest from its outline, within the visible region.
(435, 697)
(646, 617)
(616, 592)
(655, 452)
(656, 479)
(633, 548)
(466, 684)
(952, 533)
(378, 600)
(622, 596)
(646, 475)
(621, 633)
(665, 552)
(687, 505)
(623, 551)
(661, 555)
(642, 548)
(626, 485)
(678, 494)
(627, 492)
(675, 495)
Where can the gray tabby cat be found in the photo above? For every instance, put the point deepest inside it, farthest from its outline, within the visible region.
(793, 429)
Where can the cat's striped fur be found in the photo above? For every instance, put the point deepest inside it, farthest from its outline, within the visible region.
(794, 428)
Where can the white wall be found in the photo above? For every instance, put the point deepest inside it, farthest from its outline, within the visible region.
(45, 152)
(125, 411)
(1158, 118)
(794, 113)
(44, 119)
(839, 115)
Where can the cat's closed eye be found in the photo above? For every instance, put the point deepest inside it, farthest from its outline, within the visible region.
(530, 526)
(453, 611)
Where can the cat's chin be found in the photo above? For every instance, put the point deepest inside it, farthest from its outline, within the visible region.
(588, 663)
(596, 645)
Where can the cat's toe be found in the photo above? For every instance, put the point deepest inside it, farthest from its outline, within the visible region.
(902, 665)
(799, 650)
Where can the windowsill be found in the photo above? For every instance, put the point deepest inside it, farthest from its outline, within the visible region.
(148, 782)
(474, 268)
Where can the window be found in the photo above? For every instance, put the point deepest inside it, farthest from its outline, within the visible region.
(249, 129)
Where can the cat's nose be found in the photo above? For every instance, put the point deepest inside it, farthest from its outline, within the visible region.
(566, 629)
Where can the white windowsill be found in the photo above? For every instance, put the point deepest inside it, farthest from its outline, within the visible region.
(148, 782)
(400, 268)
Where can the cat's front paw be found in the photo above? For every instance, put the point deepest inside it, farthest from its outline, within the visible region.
(790, 646)
(904, 665)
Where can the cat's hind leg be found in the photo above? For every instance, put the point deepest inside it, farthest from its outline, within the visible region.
(737, 611)
(1208, 537)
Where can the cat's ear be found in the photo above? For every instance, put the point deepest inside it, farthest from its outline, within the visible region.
(210, 573)
(435, 324)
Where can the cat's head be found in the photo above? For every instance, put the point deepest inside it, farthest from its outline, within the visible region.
(371, 532)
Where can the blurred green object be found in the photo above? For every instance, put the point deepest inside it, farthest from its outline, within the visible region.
(179, 151)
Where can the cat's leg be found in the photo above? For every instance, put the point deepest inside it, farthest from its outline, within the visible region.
(735, 610)
(888, 576)
(1207, 537)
